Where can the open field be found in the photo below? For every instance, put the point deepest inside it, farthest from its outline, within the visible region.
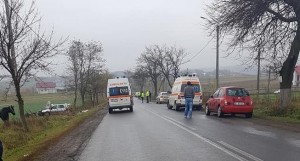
(36, 102)
(248, 82)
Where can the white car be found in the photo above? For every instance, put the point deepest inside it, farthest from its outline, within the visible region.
(278, 91)
(54, 108)
(162, 97)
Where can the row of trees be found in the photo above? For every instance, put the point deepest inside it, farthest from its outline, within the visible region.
(24, 52)
(86, 67)
(159, 64)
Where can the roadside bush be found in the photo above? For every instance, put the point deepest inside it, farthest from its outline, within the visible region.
(42, 130)
(268, 106)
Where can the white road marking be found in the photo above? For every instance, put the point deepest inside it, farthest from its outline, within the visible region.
(240, 151)
(236, 156)
(179, 122)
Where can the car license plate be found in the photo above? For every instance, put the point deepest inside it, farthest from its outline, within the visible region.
(239, 103)
(114, 100)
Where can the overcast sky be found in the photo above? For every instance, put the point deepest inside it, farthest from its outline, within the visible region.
(126, 27)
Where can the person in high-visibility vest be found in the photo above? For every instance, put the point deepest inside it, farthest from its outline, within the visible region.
(147, 95)
(142, 96)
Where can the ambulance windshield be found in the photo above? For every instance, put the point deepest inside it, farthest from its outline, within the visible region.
(114, 91)
(196, 87)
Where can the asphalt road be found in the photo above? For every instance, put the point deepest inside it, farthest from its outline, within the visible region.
(154, 133)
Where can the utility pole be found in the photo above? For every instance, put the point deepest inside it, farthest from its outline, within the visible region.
(217, 57)
(258, 70)
(217, 52)
(269, 80)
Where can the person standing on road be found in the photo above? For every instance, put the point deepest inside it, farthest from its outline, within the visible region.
(150, 95)
(142, 96)
(189, 95)
(147, 95)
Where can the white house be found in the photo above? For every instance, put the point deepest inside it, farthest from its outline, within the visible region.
(296, 77)
(46, 87)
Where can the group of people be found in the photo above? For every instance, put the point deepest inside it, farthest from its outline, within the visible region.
(148, 96)
(188, 93)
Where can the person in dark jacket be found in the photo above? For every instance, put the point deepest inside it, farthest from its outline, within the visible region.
(189, 95)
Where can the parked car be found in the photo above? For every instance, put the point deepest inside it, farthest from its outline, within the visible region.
(230, 100)
(54, 108)
(162, 97)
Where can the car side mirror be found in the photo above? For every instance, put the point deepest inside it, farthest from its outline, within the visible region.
(211, 96)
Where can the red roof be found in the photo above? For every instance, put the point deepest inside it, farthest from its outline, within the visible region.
(297, 69)
(45, 85)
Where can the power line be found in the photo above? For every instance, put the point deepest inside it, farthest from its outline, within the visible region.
(200, 50)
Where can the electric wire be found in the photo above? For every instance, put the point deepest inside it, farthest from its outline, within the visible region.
(199, 52)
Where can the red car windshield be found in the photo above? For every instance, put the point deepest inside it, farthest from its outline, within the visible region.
(238, 92)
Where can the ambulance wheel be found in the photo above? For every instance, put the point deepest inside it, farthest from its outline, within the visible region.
(131, 109)
(177, 108)
(168, 105)
(110, 110)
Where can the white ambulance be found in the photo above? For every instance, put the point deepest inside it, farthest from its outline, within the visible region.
(176, 98)
(119, 94)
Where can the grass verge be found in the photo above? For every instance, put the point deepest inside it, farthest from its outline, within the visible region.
(266, 107)
(44, 131)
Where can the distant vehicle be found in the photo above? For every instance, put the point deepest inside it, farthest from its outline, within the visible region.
(230, 100)
(137, 94)
(119, 94)
(162, 97)
(54, 108)
(277, 91)
(176, 98)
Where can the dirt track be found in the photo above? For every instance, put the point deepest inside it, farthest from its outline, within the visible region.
(69, 147)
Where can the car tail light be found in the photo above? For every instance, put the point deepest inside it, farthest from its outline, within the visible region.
(226, 102)
(180, 96)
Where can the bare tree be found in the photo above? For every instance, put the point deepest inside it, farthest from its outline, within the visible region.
(175, 58)
(75, 51)
(95, 64)
(23, 50)
(140, 77)
(169, 60)
(263, 25)
(149, 61)
(86, 61)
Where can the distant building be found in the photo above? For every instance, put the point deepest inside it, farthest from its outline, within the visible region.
(296, 77)
(46, 87)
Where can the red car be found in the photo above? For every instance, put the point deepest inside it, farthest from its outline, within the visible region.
(230, 100)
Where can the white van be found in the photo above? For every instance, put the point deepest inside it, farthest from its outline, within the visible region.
(119, 94)
(176, 98)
